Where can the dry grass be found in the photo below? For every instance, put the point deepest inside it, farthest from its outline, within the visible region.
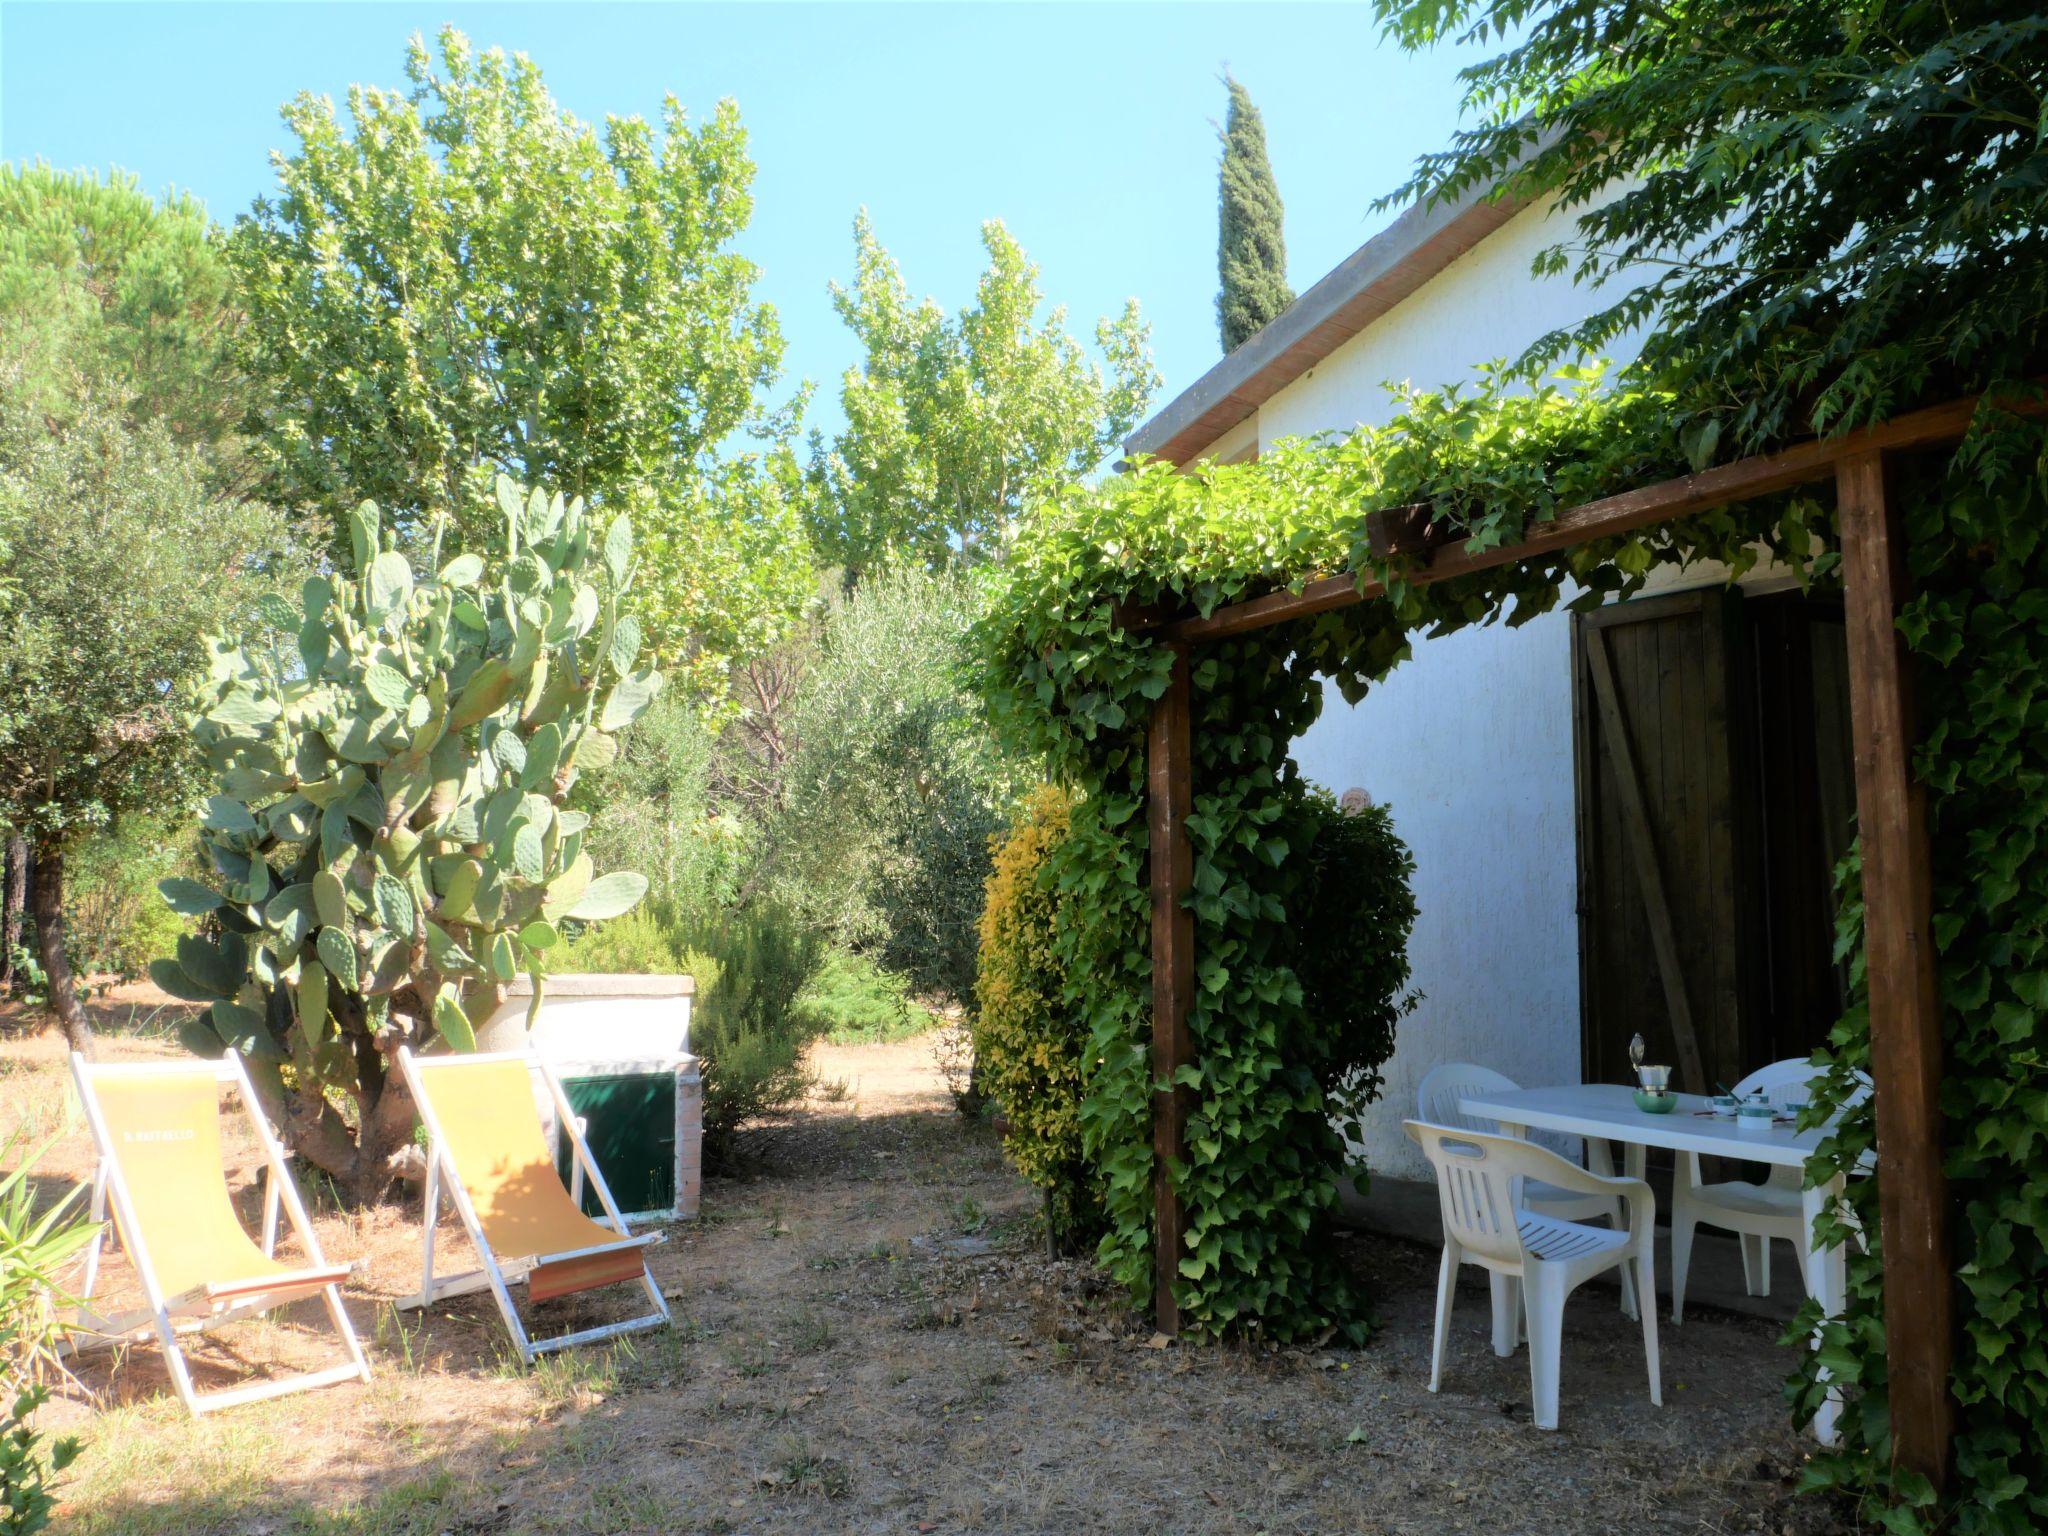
(868, 1339)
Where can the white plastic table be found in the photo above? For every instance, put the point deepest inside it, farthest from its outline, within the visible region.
(1606, 1112)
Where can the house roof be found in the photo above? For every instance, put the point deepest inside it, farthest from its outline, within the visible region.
(1370, 281)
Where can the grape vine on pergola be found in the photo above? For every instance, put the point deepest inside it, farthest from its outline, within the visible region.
(1905, 1019)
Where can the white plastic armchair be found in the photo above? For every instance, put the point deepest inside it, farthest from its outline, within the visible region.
(1547, 1259)
(1756, 1213)
(1437, 1103)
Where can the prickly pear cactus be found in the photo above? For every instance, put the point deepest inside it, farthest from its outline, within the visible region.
(389, 824)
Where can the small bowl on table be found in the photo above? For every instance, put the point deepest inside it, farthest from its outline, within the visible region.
(1654, 1103)
(1753, 1116)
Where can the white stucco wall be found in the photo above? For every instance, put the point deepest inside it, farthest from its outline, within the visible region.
(1470, 741)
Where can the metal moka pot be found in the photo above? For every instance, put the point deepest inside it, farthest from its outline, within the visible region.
(1654, 1079)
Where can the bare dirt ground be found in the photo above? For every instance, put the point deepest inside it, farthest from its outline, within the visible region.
(869, 1339)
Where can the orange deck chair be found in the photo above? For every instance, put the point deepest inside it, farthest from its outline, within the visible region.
(156, 1126)
(486, 1143)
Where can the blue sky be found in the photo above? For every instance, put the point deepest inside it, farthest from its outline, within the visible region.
(1088, 129)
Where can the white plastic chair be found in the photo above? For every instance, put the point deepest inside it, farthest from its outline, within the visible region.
(1437, 1103)
(1757, 1213)
(1547, 1259)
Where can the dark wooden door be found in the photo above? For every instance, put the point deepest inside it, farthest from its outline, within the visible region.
(1666, 850)
(1806, 797)
(1715, 796)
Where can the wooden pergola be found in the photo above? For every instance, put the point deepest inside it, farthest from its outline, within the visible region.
(1905, 1020)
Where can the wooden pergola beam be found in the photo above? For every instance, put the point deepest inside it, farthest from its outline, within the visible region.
(1801, 464)
(1905, 1022)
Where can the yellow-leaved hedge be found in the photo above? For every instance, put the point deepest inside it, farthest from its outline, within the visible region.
(1029, 1038)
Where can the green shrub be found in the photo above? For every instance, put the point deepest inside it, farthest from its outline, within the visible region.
(26, 1469)
(115, 922)
(1029, 1038)
(894, 788)
(647, 941)
(654, 812)
(749, 1028)
(855, 1001)
(35, 1245)
(1353, 952)
(758, 972)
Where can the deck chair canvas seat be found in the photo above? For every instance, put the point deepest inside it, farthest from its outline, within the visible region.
(156, 1129)
(487, 1147)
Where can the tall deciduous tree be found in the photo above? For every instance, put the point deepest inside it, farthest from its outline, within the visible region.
(1251, 246)
(1822, 213)
(471, 281)
(951, 420)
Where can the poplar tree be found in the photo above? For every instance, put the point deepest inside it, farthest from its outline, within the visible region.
(1251, 249)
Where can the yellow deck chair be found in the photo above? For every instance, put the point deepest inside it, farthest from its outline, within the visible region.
(485, 1141)
(156, 1126)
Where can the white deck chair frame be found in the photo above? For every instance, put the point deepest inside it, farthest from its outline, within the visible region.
(169, 1317)
(498, 1275)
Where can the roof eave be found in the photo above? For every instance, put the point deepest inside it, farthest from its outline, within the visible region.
(1366, 285)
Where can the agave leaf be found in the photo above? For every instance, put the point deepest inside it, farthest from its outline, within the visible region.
(313, 1002)
(362, 534)
(463, 571)
(330, 899)
(387, 685)
(171, 978)
(199, 1037)
(618, 547)
(628, 700)
(625, 647)
(452, 1022)
(394, 904)
(388, 585)
(339, 956)
(617, 892)
(187, 898)
(215, 966)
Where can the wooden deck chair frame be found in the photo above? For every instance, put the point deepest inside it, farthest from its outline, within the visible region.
(499, 1273)
(197, 1310)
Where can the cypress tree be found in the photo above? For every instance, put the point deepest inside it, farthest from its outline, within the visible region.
(1251, 250)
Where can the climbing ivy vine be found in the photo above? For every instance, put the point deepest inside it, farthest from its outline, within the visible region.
(1069, 676)
(1071, 672)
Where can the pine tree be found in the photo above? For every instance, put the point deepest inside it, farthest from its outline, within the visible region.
(1251, 250)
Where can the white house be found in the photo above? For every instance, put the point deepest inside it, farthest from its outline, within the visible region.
(1533, 941)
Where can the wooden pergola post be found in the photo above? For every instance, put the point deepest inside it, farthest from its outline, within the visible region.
(1170, 786)
(1905, 1009)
